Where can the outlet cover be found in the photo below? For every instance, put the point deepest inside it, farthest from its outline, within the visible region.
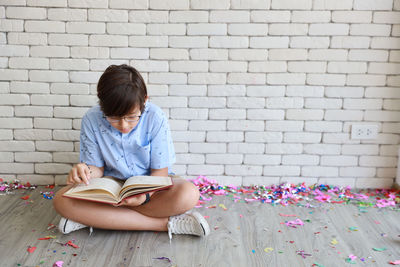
(364, 131)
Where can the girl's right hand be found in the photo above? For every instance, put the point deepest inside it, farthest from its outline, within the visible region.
(79, 173)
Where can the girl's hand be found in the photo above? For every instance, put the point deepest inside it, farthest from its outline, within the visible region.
(133, 201)
(79, 173)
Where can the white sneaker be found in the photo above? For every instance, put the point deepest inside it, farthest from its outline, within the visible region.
(192, 223)
(67, 226)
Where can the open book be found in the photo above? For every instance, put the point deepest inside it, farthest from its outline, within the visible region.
(113, 191)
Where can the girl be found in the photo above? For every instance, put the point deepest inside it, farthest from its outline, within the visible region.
(124, 136)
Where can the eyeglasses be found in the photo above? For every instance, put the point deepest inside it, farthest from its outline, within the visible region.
(112, 119)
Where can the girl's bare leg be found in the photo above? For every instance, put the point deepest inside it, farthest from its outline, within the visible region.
(152, 216)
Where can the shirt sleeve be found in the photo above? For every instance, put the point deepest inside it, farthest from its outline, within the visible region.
(162, 153)
(89, 147)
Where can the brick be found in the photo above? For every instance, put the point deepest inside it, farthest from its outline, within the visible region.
(270, 16)
(30, 13)
(339, 160)
(307, 67)
(66, 157)
(168, 78)
(269, 42)
(88, 3)
(190, 159)
(288, 29)
(386, 17)
(283, 148)
(207, 78)
(207, 102)
(67, 14)
(224, 159)
(174, 5)
(323, 126)
(243, 170)
(44, 26)
(304, 114)
(166, 29)
(246, 78)
(16, 75)
(309, 42)
(32, 111)
(49, 51)
(343, 115)
(287, 54)
(47, 100)
(120, 4)
(226, 90)
(52, 168)
(54, 146)
(248, 54)
(46, 123)
(298, 180)
(149, 65)
(252, 4)
(11, 25)
(245, 125)
(14, 99)
(207, 148)
(281, 170)
(385, 42)
(205, 169)
(333, 5)
(329, 29)
(362, 149)
(6, 111)
(15, 146)
(108, 15)
(33, 157)
(382, 92)
(28, 63)
(16, 168)
(189, 113)
(366, 80)
(69, 112)
(84, 76)
(26, 38)
(15, 123)
(208, 54)
(150, 16)
(69, 64)
(384, 68)
(381, 115)
(179, 125)
(36, 179)
(248, 29)
(285, 102)
(378, 161)
(268, 66)
(328, 54)
(264, 114)
(370, 29)
(86, 27)
(102, 64)
(387, 172)
(305, 91)
(206, 29)
(350, 42)
(323, 103)
(357, 172)
(219, 136)
(5, 87)
(347, 67)
(169, 54)
(245, 148)
(32, 134)
(362, 104)
(319, 171)
(48, 76)
(300, 160)
(221, 114)
(259, 180)
(207, 125)
(291, 4)
(108, 40)
(352, 16)
(181, 147)
(322, 149)
(348, 92)
(228, 42)
(188, 66)
(69, 88)
(391, 127)
(302, 137)
(245, 102)
(368, 55)
(311, 16)
(263, 137)
(83, 101)
(6, 157)
(230, 16)
(326, 79)
(373, 5)
(90, 52)
(187, 16)
(187, 90)
(391, 104)
(284, 126)
(170, 101)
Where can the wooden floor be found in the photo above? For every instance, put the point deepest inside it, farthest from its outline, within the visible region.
(239, 237)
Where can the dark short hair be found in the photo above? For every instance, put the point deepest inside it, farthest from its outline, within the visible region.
(120, 89)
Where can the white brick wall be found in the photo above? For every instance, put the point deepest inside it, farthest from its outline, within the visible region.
(256, 91)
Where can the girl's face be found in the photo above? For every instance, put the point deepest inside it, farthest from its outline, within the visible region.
(126, 123)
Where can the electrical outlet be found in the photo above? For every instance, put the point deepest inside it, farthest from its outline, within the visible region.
(364, 131)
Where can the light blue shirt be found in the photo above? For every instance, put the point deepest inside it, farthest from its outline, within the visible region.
(148, 146)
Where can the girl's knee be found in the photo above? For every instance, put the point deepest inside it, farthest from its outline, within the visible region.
(188, 195)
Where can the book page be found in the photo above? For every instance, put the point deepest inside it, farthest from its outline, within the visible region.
(106, 183)
(140, 181)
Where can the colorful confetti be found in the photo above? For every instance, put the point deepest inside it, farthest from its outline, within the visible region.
(294, 223)
(31, 249)
(58, 264)
(163, 258)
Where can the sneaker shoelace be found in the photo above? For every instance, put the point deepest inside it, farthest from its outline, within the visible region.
(181, 224)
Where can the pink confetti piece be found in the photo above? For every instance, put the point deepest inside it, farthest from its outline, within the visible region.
(31, 249)
(70, 243)
(395, 262)
(294, 223)
(352, 257)
(58, 264)
(287, 215)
